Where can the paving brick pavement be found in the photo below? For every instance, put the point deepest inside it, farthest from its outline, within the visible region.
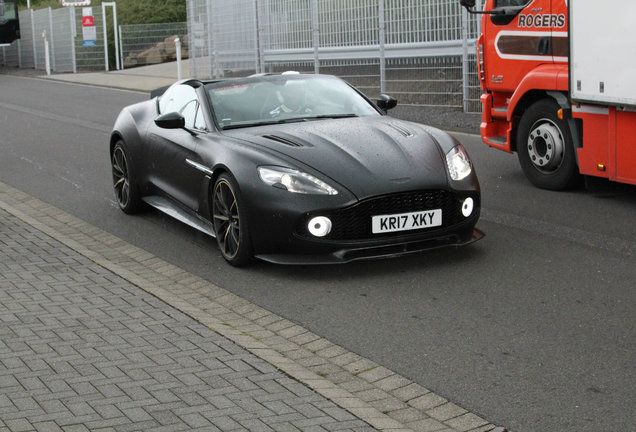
(83, 349)
(100, 335)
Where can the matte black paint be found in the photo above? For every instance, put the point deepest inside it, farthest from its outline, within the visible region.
(361, 157)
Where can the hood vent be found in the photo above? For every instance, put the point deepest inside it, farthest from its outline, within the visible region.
(402, 130)
(282, 140)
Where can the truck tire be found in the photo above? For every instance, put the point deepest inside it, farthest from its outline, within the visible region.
(545, 148)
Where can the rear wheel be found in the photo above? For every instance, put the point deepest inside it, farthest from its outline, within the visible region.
(230, 222)
(545, 148)
(124, 182)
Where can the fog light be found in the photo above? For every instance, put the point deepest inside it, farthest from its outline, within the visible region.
(467, 207)
(319, 226)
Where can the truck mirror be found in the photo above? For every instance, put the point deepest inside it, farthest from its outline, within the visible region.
(467, 3)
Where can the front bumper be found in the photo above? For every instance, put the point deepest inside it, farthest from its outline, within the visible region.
(346, 255)
(279, 227)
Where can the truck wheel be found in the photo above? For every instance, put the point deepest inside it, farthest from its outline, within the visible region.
(545, 148)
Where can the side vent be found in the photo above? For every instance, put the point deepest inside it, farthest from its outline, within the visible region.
(283, 140)
(401, 129)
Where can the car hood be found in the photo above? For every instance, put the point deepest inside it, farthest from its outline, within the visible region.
(368, 155)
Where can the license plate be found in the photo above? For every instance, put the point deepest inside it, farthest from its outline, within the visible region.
(406, 221)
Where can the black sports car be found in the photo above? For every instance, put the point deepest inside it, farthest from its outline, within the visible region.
(294, 169)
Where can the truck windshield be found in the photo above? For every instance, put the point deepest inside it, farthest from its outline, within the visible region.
(7, 12)
(513, 3)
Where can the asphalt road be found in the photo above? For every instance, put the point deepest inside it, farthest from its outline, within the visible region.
(532, 328)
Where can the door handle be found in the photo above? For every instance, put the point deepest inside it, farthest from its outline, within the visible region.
(544, 45)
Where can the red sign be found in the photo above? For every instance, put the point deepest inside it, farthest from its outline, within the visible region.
(88, 21)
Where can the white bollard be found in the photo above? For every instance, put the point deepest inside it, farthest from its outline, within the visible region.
(177, 42)
(47, 57)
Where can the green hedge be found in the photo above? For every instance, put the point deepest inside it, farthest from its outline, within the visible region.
(131, 11)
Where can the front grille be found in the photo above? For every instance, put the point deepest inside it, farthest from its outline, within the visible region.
(354, 222)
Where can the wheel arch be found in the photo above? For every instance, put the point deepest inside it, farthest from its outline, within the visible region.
(549, 161)
(545, 81)
(208, 188)
(115, 137)
(244, 252)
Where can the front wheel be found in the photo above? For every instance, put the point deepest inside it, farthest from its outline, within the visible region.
(230, 222)
(545, 148)
(124, 182)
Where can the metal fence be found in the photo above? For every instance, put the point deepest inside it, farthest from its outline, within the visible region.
(139, 44)
(144, 44)
(28, 52)
(421, 51)
(66, 50)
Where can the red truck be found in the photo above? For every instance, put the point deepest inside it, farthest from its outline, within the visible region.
(559, 86)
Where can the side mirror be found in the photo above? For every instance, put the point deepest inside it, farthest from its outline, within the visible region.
(467, 3)
(386, 102)
(171, 120)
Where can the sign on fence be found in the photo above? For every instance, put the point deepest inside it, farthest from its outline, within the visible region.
(89, 32)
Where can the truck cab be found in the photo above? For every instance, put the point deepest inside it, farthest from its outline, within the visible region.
(9, 22)
(523, 46)
(558, 87)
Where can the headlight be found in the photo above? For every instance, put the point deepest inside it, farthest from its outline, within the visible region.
(295, 181)
(458, 163)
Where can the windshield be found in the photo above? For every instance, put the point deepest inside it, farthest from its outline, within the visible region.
(284, 98)
(7, 12)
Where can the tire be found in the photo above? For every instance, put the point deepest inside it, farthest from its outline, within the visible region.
(124, 182)
(545, 148)
(230, 222)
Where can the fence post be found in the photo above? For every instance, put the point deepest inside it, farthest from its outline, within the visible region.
(121, 49)
(52, 40)
(114, 5)
(34, 37)
(257, 35)
(315, 26)
(191, 39)
(382, 35)
(105, 37)
(73, 35)
(465, 58)
(211, 53)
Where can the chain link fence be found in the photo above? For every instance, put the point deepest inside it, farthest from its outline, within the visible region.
(421, 51)
(67, 52)
(29, 52)
(139, 44)
(145, 44)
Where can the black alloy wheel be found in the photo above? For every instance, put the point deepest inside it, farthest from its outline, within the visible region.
(230, 222)
(126, 190)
